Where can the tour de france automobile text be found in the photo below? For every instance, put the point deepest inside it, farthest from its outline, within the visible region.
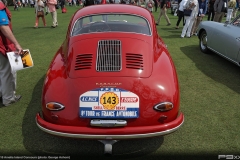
(110, 113)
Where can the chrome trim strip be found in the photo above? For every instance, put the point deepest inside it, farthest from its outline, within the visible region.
(131, 136)
(223, 56)
(108, 123)
(112, 33)
(103, 13)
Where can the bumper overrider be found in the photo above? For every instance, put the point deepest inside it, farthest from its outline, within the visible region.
(109, 133)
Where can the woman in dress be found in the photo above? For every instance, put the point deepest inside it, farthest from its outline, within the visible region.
(193, 6)
(39, 6)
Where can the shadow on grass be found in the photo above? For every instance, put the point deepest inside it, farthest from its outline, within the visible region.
(39, 27)
(38, 142)
(215, 67)
(172, 36)
(174, 33)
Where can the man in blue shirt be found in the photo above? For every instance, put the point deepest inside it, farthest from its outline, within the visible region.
(8, 43)
(202, 10)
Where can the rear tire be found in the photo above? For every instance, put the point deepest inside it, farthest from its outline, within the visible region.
(203, 42)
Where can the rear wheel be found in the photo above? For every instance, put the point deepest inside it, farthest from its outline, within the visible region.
(203, 42)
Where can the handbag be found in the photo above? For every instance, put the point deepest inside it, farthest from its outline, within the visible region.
(64, 10)
(187, 12)
(40, 13)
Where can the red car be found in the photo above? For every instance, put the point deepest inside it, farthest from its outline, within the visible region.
(111, 79)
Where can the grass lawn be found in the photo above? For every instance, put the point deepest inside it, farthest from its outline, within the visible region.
(210, 98)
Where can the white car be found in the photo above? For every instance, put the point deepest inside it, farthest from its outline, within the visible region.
(221, 38)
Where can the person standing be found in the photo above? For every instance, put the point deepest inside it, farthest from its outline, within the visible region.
(97, 1)
(201, 13)
(16, 5)
(149, 6)
(180, 13)
(211, 11)
(231, 7)
(31, 4)
(74, 3)
(62, 4)
(46, 7)
(39, 5)
(69, 2)
(235, 10)
(52, 9)
(27, 3)
(23, 3)
(8, 43)
(142, 3)
(163, 11)
(220, 8)
(190, 5)
(155, 4)
(88, 3)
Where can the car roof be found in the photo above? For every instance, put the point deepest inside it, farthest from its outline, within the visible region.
(114, 8)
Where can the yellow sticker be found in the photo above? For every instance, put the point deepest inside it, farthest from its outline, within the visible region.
(109, 100)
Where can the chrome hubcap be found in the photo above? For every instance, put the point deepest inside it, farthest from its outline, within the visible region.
(204, 42)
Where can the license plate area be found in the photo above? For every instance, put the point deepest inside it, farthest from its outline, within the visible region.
(108, 103)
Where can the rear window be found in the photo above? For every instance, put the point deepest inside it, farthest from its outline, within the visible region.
(111, 23)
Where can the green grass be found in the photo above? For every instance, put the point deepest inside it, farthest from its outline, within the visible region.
(209, 86)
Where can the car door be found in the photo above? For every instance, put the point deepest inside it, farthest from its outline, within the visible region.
(216, 40)
(231, 41)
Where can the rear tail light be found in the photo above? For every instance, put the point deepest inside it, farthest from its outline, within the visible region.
(164, 106)
(53, 106)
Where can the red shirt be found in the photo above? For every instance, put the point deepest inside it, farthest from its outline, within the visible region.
(5, 44)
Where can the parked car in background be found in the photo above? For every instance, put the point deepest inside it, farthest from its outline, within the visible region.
(112, 79)
(221, 38)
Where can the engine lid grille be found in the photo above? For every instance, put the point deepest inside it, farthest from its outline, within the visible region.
(134, 61)
(83, 61)
(109, 56)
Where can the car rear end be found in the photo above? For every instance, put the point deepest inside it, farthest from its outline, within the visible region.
(116, 85)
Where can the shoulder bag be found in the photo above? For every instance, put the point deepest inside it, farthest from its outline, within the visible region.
(40, 13)
(187, 12)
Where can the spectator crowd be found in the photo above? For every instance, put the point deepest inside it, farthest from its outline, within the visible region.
(197, 9)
